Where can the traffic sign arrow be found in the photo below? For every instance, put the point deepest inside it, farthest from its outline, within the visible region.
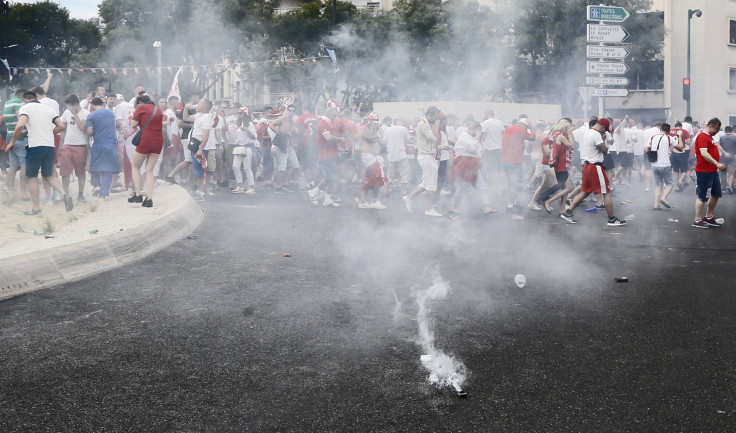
(603, 33)
(586, 93)
(607, 13)
(606, 81)
(607, 68)
(605, 52)
(611, 92)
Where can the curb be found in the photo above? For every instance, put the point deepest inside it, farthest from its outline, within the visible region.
(38, 270)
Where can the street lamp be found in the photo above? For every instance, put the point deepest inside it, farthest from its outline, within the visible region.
(157, 46)
(690, 13)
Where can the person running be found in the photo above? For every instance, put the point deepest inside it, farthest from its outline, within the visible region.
(561, 160)
(104, 162)
(372, 163)
(706, 172)
(428, 135)
(662, 168)
(466, 169)
(595, 181)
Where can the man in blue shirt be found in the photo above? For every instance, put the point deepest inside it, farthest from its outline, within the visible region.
(104, 157)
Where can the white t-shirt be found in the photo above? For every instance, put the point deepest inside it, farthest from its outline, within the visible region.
(396, 138)
(74, 136)
(663, 149)
(202, 122)
(40, 124)
(243, 138)
(171, 128)
(467, 145)
(212, 139)
(641, 141)
(589, 147)
(492, 131)
(619, 140)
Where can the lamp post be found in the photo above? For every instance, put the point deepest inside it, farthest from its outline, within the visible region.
(157, 46)
(690, 13)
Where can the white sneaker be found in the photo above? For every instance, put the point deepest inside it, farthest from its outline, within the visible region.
(407, 202)
(533, 206)
(313, 196)
(250, 191)
(238, 191)
(378, 205)
(330, 204)
(432, 212)
(364, 205)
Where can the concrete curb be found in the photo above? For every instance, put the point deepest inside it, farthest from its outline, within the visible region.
(54, 266)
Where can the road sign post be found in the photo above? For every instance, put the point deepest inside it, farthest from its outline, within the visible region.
(607, 13)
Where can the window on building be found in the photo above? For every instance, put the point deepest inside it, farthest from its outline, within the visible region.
(732, 79)
(731, 120)
(732, 32)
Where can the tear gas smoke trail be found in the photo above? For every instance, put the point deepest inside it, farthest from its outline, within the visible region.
(444, 370)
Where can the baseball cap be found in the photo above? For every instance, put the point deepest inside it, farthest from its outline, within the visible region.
(605, 124)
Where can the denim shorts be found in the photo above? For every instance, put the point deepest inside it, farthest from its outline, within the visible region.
(662, 175)
(708, 180)
(40, 158)
(18, 154)
(197, 169)
(329, 171)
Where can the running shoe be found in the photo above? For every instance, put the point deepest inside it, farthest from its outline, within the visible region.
(711, 222)
(68, 202)
(432, 213)
(567, 216)
(313, 196)
(699, 223)
(378, 205)
(614, 222)
(364, 205)
(407, 202)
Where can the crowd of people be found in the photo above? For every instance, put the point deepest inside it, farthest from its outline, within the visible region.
(221, 148)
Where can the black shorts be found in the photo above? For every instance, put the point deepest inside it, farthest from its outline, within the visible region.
(679, 162)
(608, 162)
(626, 159)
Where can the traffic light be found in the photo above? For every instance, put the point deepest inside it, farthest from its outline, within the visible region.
(686, 89)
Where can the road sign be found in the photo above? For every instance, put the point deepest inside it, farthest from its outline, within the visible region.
(603, 33)
(607, 13)
(606, 81)
(604, 52)
(586, 93)
(607, 68)
(611, 92)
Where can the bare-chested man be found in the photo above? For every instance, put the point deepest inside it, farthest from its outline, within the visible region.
(284, 156)
(373, 176)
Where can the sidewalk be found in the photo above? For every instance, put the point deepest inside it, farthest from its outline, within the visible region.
(94, 237)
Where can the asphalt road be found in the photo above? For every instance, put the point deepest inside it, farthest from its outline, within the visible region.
(222, 333)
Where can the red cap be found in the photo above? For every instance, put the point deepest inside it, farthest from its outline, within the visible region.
(605, 124)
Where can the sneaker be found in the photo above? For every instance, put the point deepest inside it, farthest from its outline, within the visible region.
(279, 190)
(238, 191)
(313, 196)
(432, 213)
(407, 202)
(56, 198)
(711, 222)
(135, 198)
(210, 193)
(147, 203)
(567, 216)
(46, 200)
(288, 188)
(32, 212)
(534, 206)
(378, 205)
(600, 206)
(613, 222)
(665, 204)
(330, 204)
(95, 191)
(68, 202)
(250, 191)
(364, 205)
(171, 180)
(116, 189)
(81, 199)
(699, 223)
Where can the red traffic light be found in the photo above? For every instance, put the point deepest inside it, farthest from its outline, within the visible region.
(686, 81)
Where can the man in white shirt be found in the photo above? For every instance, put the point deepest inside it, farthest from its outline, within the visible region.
(492, 129)
(396, 138)
(201, 131)
(662, 143)
(595, 180)
(73, 152)
(42, 124)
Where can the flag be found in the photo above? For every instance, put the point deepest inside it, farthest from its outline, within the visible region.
(7, 66)
(174, 91)
(333, 57)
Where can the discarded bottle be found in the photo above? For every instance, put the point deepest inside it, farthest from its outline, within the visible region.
(673, 220)
(621, 279)
(38, 232)
(520, 280)
(629, 217)
(94, 232)
(517, 217)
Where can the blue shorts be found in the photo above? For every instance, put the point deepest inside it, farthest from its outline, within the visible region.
(197, 169)
(708, 181)
(329, 171)
(40, 158)
(18, 154)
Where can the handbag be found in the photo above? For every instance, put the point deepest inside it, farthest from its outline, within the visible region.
(281, 140)
(652, 154)
(193, 145)
(239, 150)
(137, 137)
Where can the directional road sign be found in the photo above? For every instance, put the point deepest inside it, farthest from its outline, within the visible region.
(610, 92)
(586, 93)
(603, 33)
(606, 81)
(607, 13)
(605, 52)
(607, 68)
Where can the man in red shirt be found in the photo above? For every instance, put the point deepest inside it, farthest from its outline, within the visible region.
(512, 157)
(706, 169)
(327, 149)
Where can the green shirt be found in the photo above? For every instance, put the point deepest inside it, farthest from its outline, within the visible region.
(11, 117)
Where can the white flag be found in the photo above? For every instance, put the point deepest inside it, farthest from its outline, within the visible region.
(331, 53)
(7, 66)
(174, 91)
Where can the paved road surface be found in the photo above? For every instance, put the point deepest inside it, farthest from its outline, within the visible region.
(222, 333)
